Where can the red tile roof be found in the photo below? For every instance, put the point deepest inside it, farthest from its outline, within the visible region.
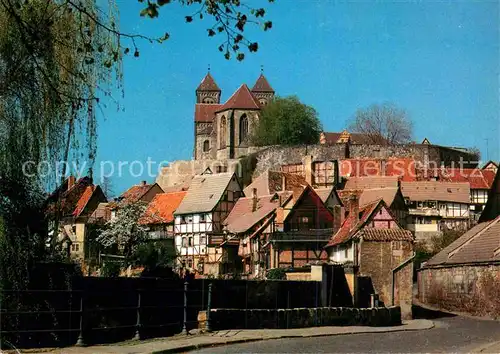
(477, 178)
(368, 196)
(435, 190)
(67, 198)
(242, 218)
(271, 182)
(84, 199)
(135, 193)
(262, 85)
(241, 99)
(162, 207)
(372, 182)
(350, 227)
(205, 112)
(374, 234)
(208, 84)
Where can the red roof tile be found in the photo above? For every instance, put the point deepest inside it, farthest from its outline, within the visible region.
(162, 207)
(262, 85)
(241, 99)
(242, 218)
(208, 84)
(135, 193)
(205, 112)
(67, 198)
(435, 190)
(84, 199)
(477, 178)
(271, 182)
(374, 234)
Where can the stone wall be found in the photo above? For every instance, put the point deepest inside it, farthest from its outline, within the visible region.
(377, 261)
(449, 283)
(222, 319)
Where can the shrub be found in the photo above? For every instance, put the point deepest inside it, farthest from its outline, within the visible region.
(111, 269)
(276, 274)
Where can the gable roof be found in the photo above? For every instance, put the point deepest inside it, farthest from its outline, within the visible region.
(242, 218)
(102, 212)
(262, 85)
(324, 194)
(69, 197)
(368, 196)
(161, 209)
(208, 84)
(351, 229)
(490, 164)
(204, 112)
(87, 195)
(135, 193)
(434, 190)
(204, 193)
(372, 182)
(241, 99)
(270, 182)
(479, 244)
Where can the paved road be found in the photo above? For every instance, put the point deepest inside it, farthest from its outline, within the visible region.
(451, 334)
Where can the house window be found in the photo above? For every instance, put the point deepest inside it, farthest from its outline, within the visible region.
(184, 242)
(243, 128)
(190, 241)
(346, 252)
(223, 133)
(203, 218)
(208, 100)
(73, 228)
(190, 263)
(206, 146)
(183, 219)
(190, 219)
(203, 240)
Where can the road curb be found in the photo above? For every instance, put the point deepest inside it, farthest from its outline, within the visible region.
(191, 347)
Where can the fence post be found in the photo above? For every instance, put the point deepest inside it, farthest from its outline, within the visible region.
(80, 342)
(208, 326)
(138, 323)
(184, 328)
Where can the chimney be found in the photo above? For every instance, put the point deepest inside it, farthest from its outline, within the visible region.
(283, 182)
(354, 207)
(71, 181)
(255, 199)
(307, 162)
(143, 183)
(336, 173)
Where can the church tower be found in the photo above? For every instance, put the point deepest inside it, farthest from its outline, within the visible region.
(208, 92)
(262, 90)
(207, 103)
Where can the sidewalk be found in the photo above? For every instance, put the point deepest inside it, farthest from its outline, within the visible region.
(181, 343)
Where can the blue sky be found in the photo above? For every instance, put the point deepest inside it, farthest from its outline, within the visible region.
(438, 60)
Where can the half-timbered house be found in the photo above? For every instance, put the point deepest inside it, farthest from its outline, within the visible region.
(207, 203)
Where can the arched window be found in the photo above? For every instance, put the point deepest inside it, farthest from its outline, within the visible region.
(263, 101)
(243, 128)
(208, 100)
(206, 146)
(223, 133)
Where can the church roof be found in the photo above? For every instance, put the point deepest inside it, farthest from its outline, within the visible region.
(208, 84)
(204, 112)
(262, 85)
(241, 99)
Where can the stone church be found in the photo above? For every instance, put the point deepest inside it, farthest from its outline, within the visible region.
(222, 130)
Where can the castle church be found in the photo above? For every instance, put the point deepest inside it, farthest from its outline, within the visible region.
(222, 130)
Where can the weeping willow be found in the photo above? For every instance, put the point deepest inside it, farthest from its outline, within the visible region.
(59, 60)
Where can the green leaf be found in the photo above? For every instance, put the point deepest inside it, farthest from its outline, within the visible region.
(268, 25)
(227, 55)
(253, 47)
(211, 32)
(189, 19)
(240, 56)
(163, 2)
(136, 53)
(126, 50)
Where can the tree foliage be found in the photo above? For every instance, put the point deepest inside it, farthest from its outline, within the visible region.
(287, 121)
(383, 124)
(124, 232)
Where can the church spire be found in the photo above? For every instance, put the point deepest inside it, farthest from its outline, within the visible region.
(262, 90)
(208, 92)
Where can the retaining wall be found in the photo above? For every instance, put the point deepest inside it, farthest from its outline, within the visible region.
(221, 319)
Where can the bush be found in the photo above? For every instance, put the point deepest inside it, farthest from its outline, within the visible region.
(111, 269)
(276, 274)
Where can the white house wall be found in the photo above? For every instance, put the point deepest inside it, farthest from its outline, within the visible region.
(338, 253)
